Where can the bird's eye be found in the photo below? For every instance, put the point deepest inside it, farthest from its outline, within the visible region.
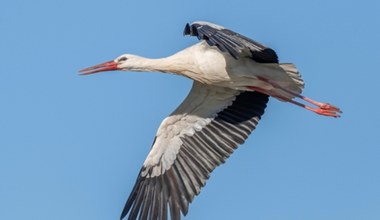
(122, 59)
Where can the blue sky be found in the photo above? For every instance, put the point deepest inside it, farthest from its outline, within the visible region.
(71, 146)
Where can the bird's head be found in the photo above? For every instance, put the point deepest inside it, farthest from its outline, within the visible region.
(124, 62)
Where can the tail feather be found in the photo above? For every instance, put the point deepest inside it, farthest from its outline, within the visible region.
(295, 75)
(295, 85)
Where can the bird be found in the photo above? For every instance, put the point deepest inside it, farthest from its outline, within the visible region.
(233, 79)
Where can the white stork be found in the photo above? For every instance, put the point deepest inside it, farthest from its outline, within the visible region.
(233, 79)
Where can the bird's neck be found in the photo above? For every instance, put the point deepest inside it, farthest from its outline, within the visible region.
(167, 65)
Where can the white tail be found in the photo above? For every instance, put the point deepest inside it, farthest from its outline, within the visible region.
(292, 71)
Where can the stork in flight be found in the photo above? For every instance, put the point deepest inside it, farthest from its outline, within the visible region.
(233, 79)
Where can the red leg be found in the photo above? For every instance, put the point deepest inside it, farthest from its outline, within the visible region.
(320, 110)
(324, 106)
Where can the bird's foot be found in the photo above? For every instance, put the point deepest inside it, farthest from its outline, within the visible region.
(329, 107)
(325, 106)
(326, 110)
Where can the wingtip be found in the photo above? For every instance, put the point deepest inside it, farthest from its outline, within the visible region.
(187, 30)
(122, 216)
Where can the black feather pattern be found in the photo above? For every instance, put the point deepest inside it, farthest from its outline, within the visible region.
(199, 155)
(231, 42)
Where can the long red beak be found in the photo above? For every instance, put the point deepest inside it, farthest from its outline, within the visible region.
(107, 66)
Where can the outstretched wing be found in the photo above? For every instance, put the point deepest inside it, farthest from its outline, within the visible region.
(197, 137)
(231, 42)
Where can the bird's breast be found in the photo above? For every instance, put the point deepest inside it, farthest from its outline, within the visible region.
(208, 65)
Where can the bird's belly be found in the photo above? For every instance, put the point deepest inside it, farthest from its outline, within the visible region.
(222, 70)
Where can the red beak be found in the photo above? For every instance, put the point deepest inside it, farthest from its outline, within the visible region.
(107, 66)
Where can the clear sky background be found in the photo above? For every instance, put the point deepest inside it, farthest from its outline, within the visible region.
(71, 146)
